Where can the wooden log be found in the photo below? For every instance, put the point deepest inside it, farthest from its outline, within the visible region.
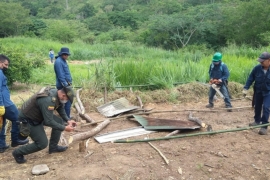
(77, 107)
(79, 101)
(92, 123)
(194, 119)
(88, 134)
(83, 115)
(86, 117)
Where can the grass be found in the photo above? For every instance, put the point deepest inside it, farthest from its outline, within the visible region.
(126, 63)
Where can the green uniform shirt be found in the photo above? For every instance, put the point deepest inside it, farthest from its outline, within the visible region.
(42, 110)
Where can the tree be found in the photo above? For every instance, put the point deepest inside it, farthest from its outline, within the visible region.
(37, 27)
(247, 21)
(87, 11)
(180, 28)
(13, 19)
(65, 31)
(99, 24)
(123, 19)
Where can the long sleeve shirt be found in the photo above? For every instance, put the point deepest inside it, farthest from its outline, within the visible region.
(261, 78)
(4, 91)
(63, 76)
(41, 110)
(219, 71)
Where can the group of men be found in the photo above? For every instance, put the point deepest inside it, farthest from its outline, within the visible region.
(37, 111)
(260, 75)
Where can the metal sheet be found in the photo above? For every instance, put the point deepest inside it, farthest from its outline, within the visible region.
(116, 107)
(155, 124)
(108, 137)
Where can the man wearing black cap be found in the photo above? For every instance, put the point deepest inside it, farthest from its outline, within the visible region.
(62, 72)
(36, 112)
(261, 76)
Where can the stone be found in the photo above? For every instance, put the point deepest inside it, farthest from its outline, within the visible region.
(40, 169)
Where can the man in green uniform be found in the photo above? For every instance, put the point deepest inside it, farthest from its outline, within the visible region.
(36, 112)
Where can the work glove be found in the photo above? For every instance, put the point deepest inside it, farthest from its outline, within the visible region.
(244, 92)
(2, 110)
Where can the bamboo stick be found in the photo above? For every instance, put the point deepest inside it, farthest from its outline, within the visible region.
(190, 135)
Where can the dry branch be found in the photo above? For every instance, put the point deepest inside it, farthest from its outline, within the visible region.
(140, 101)
(79, 101)
(160, 153)
(88, 134)
(173, 133)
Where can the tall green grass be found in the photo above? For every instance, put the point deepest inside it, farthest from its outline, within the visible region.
(81, 74)
(126, 63)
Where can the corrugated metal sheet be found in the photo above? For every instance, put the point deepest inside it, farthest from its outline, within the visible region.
(108, 137)
(116, 107)
(155, 124)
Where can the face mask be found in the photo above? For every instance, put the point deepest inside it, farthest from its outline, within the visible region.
(63, 101)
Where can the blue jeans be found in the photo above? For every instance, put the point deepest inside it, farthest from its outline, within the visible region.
(11, 113)
(67, 108)
(262, 105)
(224, 91)
(67, 105)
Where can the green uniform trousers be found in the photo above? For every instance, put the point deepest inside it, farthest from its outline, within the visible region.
(38, 135)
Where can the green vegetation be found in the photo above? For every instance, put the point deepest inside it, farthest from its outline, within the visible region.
(130, 64)
(170, 24)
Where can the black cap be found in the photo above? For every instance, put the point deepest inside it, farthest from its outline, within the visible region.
(69, 92)
(264, 56)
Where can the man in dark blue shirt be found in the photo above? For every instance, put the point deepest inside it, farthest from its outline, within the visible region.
(260, 74)
(7, 110)
(219, 75)
(62, 72)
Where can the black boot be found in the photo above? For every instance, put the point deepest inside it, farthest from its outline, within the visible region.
(3, 149)
(57, 149)
(19, 142)
(18, 157)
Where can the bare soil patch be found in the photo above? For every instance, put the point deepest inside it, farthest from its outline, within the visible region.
(234, 155)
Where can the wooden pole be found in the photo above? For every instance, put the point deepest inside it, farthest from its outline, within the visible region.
(88, 134)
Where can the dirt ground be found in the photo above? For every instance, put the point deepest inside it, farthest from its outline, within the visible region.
(237, 155)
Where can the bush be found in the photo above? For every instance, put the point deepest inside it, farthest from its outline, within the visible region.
(21, 64)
